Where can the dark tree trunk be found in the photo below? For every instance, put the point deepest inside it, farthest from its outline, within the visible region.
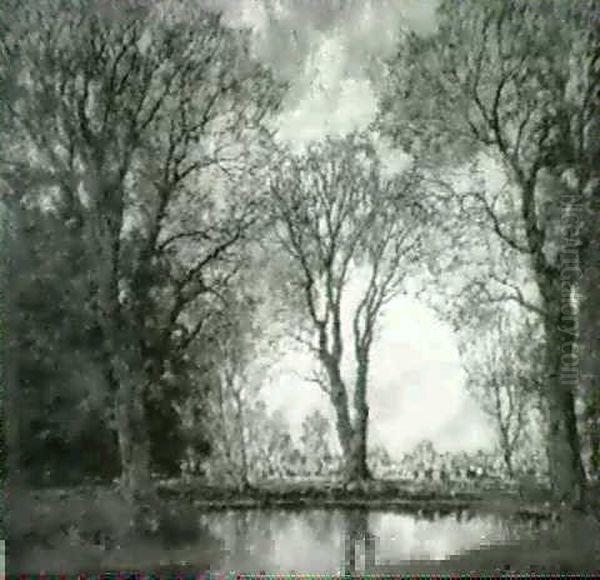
(357, 529)
(244, 481)
(122, 332)
(504, 427)
(357, 468)
(589, 336)
(134, 444)
(555, 282)
(509, 463)
(566, 466)
(12, 409)
(352, 437)
(339, 400)
(11, 236)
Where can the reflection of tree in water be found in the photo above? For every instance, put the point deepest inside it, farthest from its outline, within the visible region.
(463, 515)
(356, 529)
(321, 524)
(427, 514)
(180, 527)
(252, 538)
(241, 524)
(243, 545)
(469, 515)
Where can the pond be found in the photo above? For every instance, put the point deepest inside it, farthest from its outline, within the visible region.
(329, 540)
(84, 534)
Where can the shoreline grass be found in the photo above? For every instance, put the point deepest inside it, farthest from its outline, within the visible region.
(83, 529)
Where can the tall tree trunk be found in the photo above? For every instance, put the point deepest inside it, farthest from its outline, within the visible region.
(352, 436)
(507, 453)
(590, 373)
(228, 445)
(122, 331)
(555, 282)
(504, 428)
(356, 462)
(509, 464)
(133, 440)
(566, 467)
(339, 400)
(241, 426)
(589, 357)
(358, 469)
(11, 237)
(12, 409)
(589, 337)
(134, 444)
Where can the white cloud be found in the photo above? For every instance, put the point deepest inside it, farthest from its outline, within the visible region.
(416, 386)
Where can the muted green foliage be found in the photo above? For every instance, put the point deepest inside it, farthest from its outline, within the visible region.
(64, 427)
(120, 113)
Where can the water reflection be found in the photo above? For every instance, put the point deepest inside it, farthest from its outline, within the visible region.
(325, 541)
(357, 534)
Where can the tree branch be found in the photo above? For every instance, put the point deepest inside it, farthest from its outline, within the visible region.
(489, 210)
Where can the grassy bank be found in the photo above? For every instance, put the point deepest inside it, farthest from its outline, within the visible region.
(570, 547)
(389, 495)
(85, 529)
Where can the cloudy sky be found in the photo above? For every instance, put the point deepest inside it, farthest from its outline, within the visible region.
(327, 48)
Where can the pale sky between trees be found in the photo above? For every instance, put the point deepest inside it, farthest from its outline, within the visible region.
(328, 50)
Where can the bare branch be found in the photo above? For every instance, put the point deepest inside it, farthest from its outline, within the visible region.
(318, 378)
(194, 235)
(489, 210)
(518, 296)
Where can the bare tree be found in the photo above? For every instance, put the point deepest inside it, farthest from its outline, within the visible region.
(337, 214)
(237, 385)
(118, 113)
(503, 382)
(241, 346)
